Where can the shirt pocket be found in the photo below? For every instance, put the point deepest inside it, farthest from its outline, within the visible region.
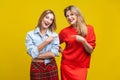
(37, 42)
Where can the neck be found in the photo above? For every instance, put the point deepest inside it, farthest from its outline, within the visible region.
(74, 25)
(43, 31)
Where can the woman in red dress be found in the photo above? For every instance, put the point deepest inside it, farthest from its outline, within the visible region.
(80, 40)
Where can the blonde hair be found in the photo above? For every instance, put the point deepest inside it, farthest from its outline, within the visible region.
(53, 25)
(81, 24)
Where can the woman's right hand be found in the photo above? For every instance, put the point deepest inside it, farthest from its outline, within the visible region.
(60, 49)
(50, 39)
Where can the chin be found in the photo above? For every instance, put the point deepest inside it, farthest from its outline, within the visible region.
(72, 23)
(45, 27)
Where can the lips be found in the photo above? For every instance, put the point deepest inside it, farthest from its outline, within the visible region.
(71, 20)
(46, 23)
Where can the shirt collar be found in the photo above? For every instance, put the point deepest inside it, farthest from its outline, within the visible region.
(37, 30)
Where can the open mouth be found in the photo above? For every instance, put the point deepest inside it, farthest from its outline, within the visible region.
(46, 24)
(71, 20)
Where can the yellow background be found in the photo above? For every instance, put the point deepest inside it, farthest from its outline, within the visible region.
(20, 16)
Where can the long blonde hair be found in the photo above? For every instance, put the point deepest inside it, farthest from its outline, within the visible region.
(53, 25)
(81, 24)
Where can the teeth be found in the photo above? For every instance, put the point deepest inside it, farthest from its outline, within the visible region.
(46, 24)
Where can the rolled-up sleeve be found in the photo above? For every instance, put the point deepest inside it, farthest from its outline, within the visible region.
(55, 46)
(31, 48)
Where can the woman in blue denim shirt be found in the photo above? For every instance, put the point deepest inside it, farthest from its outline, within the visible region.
(42, 45)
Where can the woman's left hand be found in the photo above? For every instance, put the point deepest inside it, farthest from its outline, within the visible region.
(79, 38)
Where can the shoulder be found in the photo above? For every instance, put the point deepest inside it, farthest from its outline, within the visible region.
(34, 31)
(90, 30)
(90, 27)
(30, 32)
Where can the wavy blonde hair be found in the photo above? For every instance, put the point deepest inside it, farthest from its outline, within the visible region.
(81, 24)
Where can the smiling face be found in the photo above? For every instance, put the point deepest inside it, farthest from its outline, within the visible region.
(71, 17)
(47, 20)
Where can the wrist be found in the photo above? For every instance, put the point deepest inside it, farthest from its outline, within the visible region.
(46, 41)
(84, 41)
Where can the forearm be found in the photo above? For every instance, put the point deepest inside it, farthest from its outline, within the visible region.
(41, 46)
(87, 47)
(47, 41)
(46, 55)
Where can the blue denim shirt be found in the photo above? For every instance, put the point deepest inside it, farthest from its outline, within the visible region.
(33, 39)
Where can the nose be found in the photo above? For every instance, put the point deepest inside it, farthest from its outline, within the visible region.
(49, 21)
(69, 17)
